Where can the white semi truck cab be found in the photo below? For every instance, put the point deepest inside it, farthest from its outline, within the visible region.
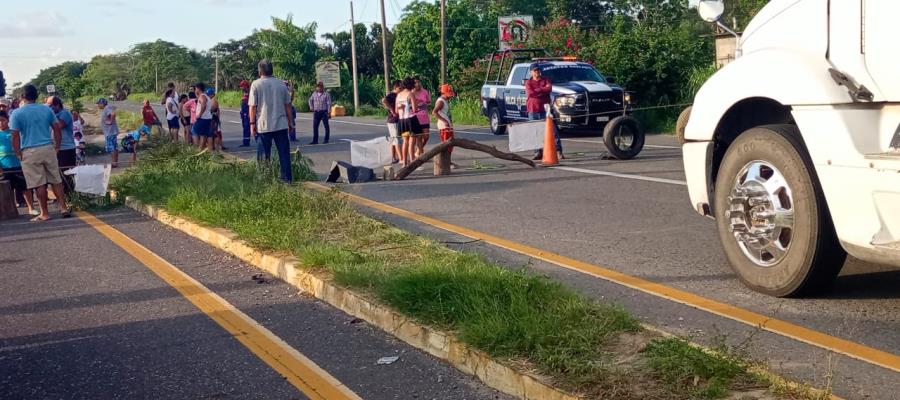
(794, 148)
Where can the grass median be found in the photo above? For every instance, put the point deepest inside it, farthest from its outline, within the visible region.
(594, 348)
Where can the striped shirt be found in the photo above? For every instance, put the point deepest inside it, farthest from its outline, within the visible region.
(320, 101)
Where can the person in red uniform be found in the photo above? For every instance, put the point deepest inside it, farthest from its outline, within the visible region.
(538, 90)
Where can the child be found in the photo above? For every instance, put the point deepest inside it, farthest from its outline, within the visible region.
(79, 147)
(11, 167)
(132, 139)
(442, 114)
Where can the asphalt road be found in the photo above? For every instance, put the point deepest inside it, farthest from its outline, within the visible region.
(82, 319)
(633, 217)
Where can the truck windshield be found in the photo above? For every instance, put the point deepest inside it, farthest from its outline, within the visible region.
(572, 73)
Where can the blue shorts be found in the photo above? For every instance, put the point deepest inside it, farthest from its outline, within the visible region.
(173, 123)
(112, 143)
(203, 127)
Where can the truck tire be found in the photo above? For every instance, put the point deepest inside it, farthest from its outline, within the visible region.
(623, 137)
(681, 124)
(771, 215)
(498, 124)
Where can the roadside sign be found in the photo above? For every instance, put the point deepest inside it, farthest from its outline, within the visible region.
(51, 88)
(329, 73)
(514, 31)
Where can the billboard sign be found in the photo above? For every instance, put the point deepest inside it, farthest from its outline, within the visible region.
(514, 31)
(329, 73)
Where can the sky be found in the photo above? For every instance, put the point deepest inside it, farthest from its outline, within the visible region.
(37, 34)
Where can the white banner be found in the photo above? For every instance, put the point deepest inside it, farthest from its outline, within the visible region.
(373, 154)
(514, 31)
(91, 179)
(329, 73)
(526, 136)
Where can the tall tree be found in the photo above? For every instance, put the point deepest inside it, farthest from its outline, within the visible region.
(56, 74)
(108, 74)
(161, 62)
(292, 49)
(417, 39)
(235, 61)
(368, 48)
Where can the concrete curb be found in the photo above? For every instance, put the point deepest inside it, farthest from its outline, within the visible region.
(439, 344)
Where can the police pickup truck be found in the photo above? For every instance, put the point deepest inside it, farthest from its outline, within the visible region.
(582, 99)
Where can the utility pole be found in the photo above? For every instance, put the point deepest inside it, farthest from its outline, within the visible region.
(217, 72)
(443, 41)
(384, 52)
(353, 54)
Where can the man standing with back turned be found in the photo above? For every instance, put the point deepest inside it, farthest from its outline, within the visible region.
(32, 125)
(270, 110)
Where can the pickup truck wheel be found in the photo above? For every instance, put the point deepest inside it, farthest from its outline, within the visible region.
(498, 125)
(623, 137)
(772, 218)
(681, 124)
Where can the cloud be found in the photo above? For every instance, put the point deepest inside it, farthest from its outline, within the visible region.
(36, 25)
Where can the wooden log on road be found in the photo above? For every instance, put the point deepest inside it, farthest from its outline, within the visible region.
(463, 143)
(442, 163)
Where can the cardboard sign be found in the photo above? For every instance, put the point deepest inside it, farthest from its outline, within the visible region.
(526, 136)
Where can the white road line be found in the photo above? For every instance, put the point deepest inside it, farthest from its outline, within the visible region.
(235, 122)
(624, 176)
(652, 146)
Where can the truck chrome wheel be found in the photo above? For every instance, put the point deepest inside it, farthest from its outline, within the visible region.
(772, 218)
(761, 213)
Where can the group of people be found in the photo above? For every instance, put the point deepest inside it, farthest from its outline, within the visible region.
(409, 118)
(36, 141)
(195, 113)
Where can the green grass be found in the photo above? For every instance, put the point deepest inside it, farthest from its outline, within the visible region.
(140, 97)
(467, 111)
(529, 319)
(230, 98)
(128, 120)
(366, 110)
(696, 372)
(93, 149)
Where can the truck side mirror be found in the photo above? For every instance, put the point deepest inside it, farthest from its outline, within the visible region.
(711, 10)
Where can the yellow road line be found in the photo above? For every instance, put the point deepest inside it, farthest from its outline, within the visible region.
(300, 371)
(784, 328)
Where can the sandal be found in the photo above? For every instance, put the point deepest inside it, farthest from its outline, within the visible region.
(39, 219)
(67, 213)
(34, 213)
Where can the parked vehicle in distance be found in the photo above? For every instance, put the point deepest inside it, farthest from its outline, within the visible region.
(582, 100)
(794, 147)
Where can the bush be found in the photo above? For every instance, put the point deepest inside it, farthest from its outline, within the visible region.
(467, 111)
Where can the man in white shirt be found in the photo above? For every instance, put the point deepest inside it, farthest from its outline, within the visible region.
(270, 108)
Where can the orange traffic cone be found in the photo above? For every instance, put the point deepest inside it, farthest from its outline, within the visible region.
(550, 157)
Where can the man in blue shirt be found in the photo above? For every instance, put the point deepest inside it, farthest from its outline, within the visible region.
(66, 156)
(32, 125)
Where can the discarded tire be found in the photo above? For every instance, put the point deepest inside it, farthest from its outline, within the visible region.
(624, 137)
